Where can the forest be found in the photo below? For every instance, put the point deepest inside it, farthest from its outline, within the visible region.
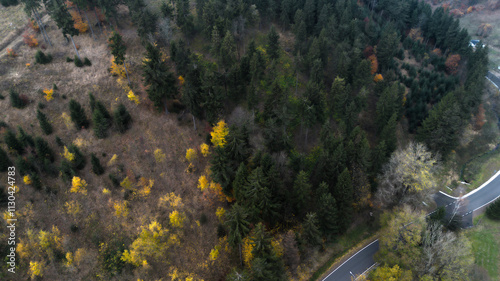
(291, 122)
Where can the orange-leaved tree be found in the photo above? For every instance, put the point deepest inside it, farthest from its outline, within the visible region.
(452, 63)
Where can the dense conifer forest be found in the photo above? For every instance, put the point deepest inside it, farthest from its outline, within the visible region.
(292, 114)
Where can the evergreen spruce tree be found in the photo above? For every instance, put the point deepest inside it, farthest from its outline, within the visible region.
(24, 138)
(310, 230)
(159, 80)
(5, 162)
(301, 192)
(15, 99)
(273, 44)
(327, 214)
(238, 225)
(43, 149)
(260, 201)
(101, 123)
(227, 51)
(35, 181)
(121, 118)
(118, 49)
(25, 167)
(59, 13)
(79, 161)
(12, 142)
(44, 122)
(239, 183)
(96, 165)
(222, 172)
(92, 102)
(77, 114)
(344, 197)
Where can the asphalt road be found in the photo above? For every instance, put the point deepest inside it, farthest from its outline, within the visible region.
(356, 264)
(464, 206)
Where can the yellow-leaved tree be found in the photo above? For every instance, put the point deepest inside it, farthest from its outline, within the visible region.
(36, 269)
(387, 273)
(150, 245)
(219, 134)
(177, 219)
(48, 94)
(159, 155)
(78, 186)
(68, 155)
(131, 96)
(191, 155)
(203, 183)
(204, 148)
(27, 180)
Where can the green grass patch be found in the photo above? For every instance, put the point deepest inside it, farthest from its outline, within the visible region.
(347, 242)
(485, 239)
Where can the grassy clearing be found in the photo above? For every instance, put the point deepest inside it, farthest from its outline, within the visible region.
(11, 19)
(472, 21)
(485, 239)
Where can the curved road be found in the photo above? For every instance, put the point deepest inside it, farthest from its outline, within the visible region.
(464, 207)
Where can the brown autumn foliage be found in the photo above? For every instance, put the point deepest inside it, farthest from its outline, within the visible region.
(480, 118)
(378, 78)
(457, 13)
(79, 23)
(374, 63)
(29, 39)
(452, 63)
(484, 30)
(437, 52)
(368, 51)
(416, 35)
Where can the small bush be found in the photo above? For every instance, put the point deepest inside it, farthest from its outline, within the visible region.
(78, 62)
(493, 210)
(30, 40)
(41, 58)
(41, 105)
(87, 62)
(114, 180)
(16, 100)
(68, 59)
(2, 97)
(203, 218)
(54, 87)
(221, 231)
(59, 141)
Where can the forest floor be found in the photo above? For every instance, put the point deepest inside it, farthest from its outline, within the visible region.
(485, 238)
(134, 150)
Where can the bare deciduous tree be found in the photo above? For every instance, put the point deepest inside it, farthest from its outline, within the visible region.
(408, 177)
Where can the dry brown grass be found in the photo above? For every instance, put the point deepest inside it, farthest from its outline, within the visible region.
(150, 131)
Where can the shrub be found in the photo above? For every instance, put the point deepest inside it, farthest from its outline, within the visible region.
(41, 58)
(59, 141)
(96, 165)
(16, 100)
(68, 59)
(41, 105)
(78, 62)
(11, 53)
(493, 210)
(30, 40)
(87, 62)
